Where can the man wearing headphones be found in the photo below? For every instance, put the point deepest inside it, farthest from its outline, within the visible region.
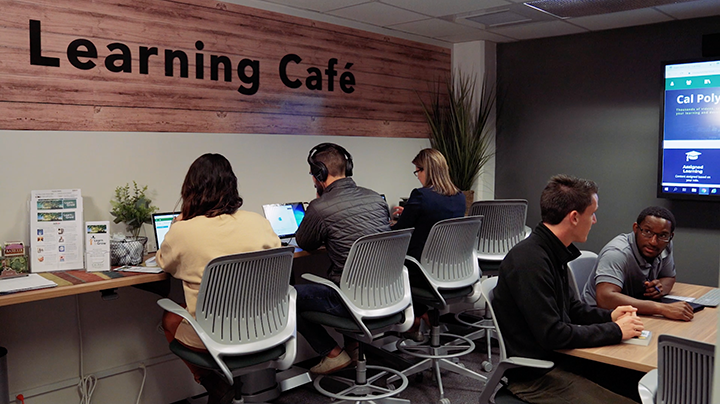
(342, 213)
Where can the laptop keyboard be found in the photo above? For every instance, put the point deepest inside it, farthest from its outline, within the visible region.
(711, 298)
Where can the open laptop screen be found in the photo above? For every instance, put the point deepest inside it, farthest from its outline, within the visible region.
(284, 218)
(161, 225)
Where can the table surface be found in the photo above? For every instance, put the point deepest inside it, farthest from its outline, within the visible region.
(703, 327)
(79, 281)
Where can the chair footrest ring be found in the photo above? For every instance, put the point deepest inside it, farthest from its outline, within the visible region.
(365, 392)
(445, 351)
(483, 323)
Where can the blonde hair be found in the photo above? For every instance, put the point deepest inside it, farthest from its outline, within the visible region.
(437, 174)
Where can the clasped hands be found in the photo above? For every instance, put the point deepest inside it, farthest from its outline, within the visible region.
(627, 319)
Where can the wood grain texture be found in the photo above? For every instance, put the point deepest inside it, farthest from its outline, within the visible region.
(99, 285)
(391, 75)
(703, 327)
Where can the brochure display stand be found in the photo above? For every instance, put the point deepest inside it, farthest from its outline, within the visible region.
(56, 230)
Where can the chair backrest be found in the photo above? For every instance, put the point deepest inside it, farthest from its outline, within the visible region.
(685, 371)
(503, 224)
(449, 257)
(244, 299)
(580, 270)
(488, 287)
(372, 278)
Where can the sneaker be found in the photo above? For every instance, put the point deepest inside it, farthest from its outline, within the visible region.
(329, 365)
(416, 336)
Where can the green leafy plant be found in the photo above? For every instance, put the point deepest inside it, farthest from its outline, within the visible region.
(461, 127)
(132, 207)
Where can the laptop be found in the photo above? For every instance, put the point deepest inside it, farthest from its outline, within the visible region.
(161, 224)
(285, 219)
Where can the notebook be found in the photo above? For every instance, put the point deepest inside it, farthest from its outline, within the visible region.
(23, 283)
(161, 224)
(284, 218)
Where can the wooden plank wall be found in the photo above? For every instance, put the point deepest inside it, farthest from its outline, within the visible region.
(390, 74)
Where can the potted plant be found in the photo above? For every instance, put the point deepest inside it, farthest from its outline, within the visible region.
(134, 209)
(461, 127)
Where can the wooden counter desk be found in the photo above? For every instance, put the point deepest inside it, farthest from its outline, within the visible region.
(703, 327)
(77, 282)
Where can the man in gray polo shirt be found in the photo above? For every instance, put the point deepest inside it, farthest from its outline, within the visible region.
(638, 268)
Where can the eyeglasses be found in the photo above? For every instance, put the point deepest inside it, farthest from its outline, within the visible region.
(664, 237)
(417, 171)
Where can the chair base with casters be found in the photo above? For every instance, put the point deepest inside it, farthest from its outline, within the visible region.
(364, 387)
(484, 328)
(375, 290)
(437, 356)
(445, 274)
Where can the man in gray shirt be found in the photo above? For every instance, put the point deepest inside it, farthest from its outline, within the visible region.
(638, 269)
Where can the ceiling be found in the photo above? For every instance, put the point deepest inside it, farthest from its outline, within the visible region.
(445, 22)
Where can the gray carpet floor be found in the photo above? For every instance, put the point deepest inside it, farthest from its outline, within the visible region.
(422, 388)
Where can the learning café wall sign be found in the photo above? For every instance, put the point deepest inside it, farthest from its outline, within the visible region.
(203, 66)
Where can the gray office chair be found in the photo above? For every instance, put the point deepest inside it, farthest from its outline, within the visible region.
(244, 331)
(375, 289)
(503, 396)
(580, 270)
(503, 227)
(449, 267)
(684, 373)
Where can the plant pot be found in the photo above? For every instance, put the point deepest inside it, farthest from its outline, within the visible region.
(127, 252)
(469, 199)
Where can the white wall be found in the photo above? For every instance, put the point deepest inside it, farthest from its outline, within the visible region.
(42, 338)
(270, 168)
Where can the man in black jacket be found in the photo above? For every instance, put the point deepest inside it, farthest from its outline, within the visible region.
(342, 213)
(537, 311)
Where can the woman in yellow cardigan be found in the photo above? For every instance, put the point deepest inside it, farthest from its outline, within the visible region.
(210, 225)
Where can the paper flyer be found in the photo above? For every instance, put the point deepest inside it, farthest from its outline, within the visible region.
(97, 246)
(56, 230)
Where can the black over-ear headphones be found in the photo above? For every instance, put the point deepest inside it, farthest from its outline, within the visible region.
(318, 168)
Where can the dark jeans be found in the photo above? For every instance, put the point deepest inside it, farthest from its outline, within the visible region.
(560, 386)
(575, 380)
(319, 298)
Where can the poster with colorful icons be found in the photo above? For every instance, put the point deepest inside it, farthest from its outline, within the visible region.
(56, 230)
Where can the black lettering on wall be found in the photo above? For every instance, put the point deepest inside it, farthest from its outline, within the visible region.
(170, 56)
(74, 53)
(125, 57)
(36, 57)
(253, 79)
(283, 70)
(199, 61)
(145, 54)
(215, 62)
(347, 80)
(314, 80)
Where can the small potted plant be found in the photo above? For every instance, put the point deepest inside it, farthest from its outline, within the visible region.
(132, 207)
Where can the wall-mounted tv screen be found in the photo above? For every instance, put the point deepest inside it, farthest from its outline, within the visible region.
(689, 166)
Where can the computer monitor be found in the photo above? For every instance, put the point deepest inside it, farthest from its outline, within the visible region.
(161, 224)
(689, 158)
(284, 218)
